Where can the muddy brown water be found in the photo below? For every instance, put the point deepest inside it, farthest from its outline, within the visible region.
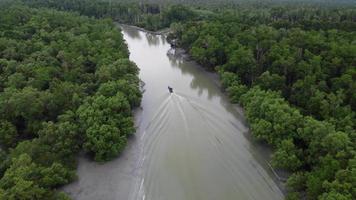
(189, 145)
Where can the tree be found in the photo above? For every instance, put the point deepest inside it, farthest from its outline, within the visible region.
(61, 141)
(130, 90)
(312, 133)
(19, 181)
(336, 142)
(106, 123)
(334, 196)
(242, 62)
(286, 156)
(208, 51)
(262, 130)
(268, 81)
(283, 58)
(24, 179)
(8, 134)
(178, 13)
(228, 79)
(116, 70)
(24, 108)
(296, 182)
(54, 176)
(236, 91)
(17, 80)
(53, 63)
(106, 141)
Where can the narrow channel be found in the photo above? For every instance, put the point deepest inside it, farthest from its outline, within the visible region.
(190, 145)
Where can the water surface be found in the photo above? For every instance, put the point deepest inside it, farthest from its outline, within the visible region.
(190, 145)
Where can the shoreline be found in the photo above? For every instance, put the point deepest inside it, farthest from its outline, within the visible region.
(131, 158)
(280, 176)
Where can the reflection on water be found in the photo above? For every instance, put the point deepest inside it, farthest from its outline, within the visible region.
(190, 145)
(133, 34)
(199, 82)
(152, 40)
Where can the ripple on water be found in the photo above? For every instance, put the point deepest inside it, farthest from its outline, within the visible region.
(193, 152)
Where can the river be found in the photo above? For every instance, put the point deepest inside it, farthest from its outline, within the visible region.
(189, 145)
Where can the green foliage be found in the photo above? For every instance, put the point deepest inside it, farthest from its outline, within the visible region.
(293, 196)
(270, 114)
(106, 122)
(151, 16)
(296, 181)
(228, 79)
(24, 107)
(236, 91)
(130, 90)
(105, 141)
(334, 196)
(116, 70)
(208, 51)
(295, 61)
(293, 73)
(268, 81)
(336, 142)
(178, 13)
(242, 62)
(66, 84)
(8, 134)
(26, 180)
(286, 156)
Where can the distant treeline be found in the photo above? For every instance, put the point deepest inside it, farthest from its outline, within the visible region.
(66, 85)
(222, 3)
(155, 16)
(148, 16)
(293, 69)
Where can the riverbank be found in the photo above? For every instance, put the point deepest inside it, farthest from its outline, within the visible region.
(280, 175)
(287, 106)
(265, 150)
(192, 144)
(181, 53)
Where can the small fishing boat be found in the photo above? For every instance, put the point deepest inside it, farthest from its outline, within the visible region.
(170, 89)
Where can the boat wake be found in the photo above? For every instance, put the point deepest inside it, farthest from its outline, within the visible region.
(189, 149)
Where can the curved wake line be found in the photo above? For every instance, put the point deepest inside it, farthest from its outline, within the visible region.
(187, 146)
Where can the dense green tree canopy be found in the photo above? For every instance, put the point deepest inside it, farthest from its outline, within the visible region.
(292, 69)
(66, 85)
